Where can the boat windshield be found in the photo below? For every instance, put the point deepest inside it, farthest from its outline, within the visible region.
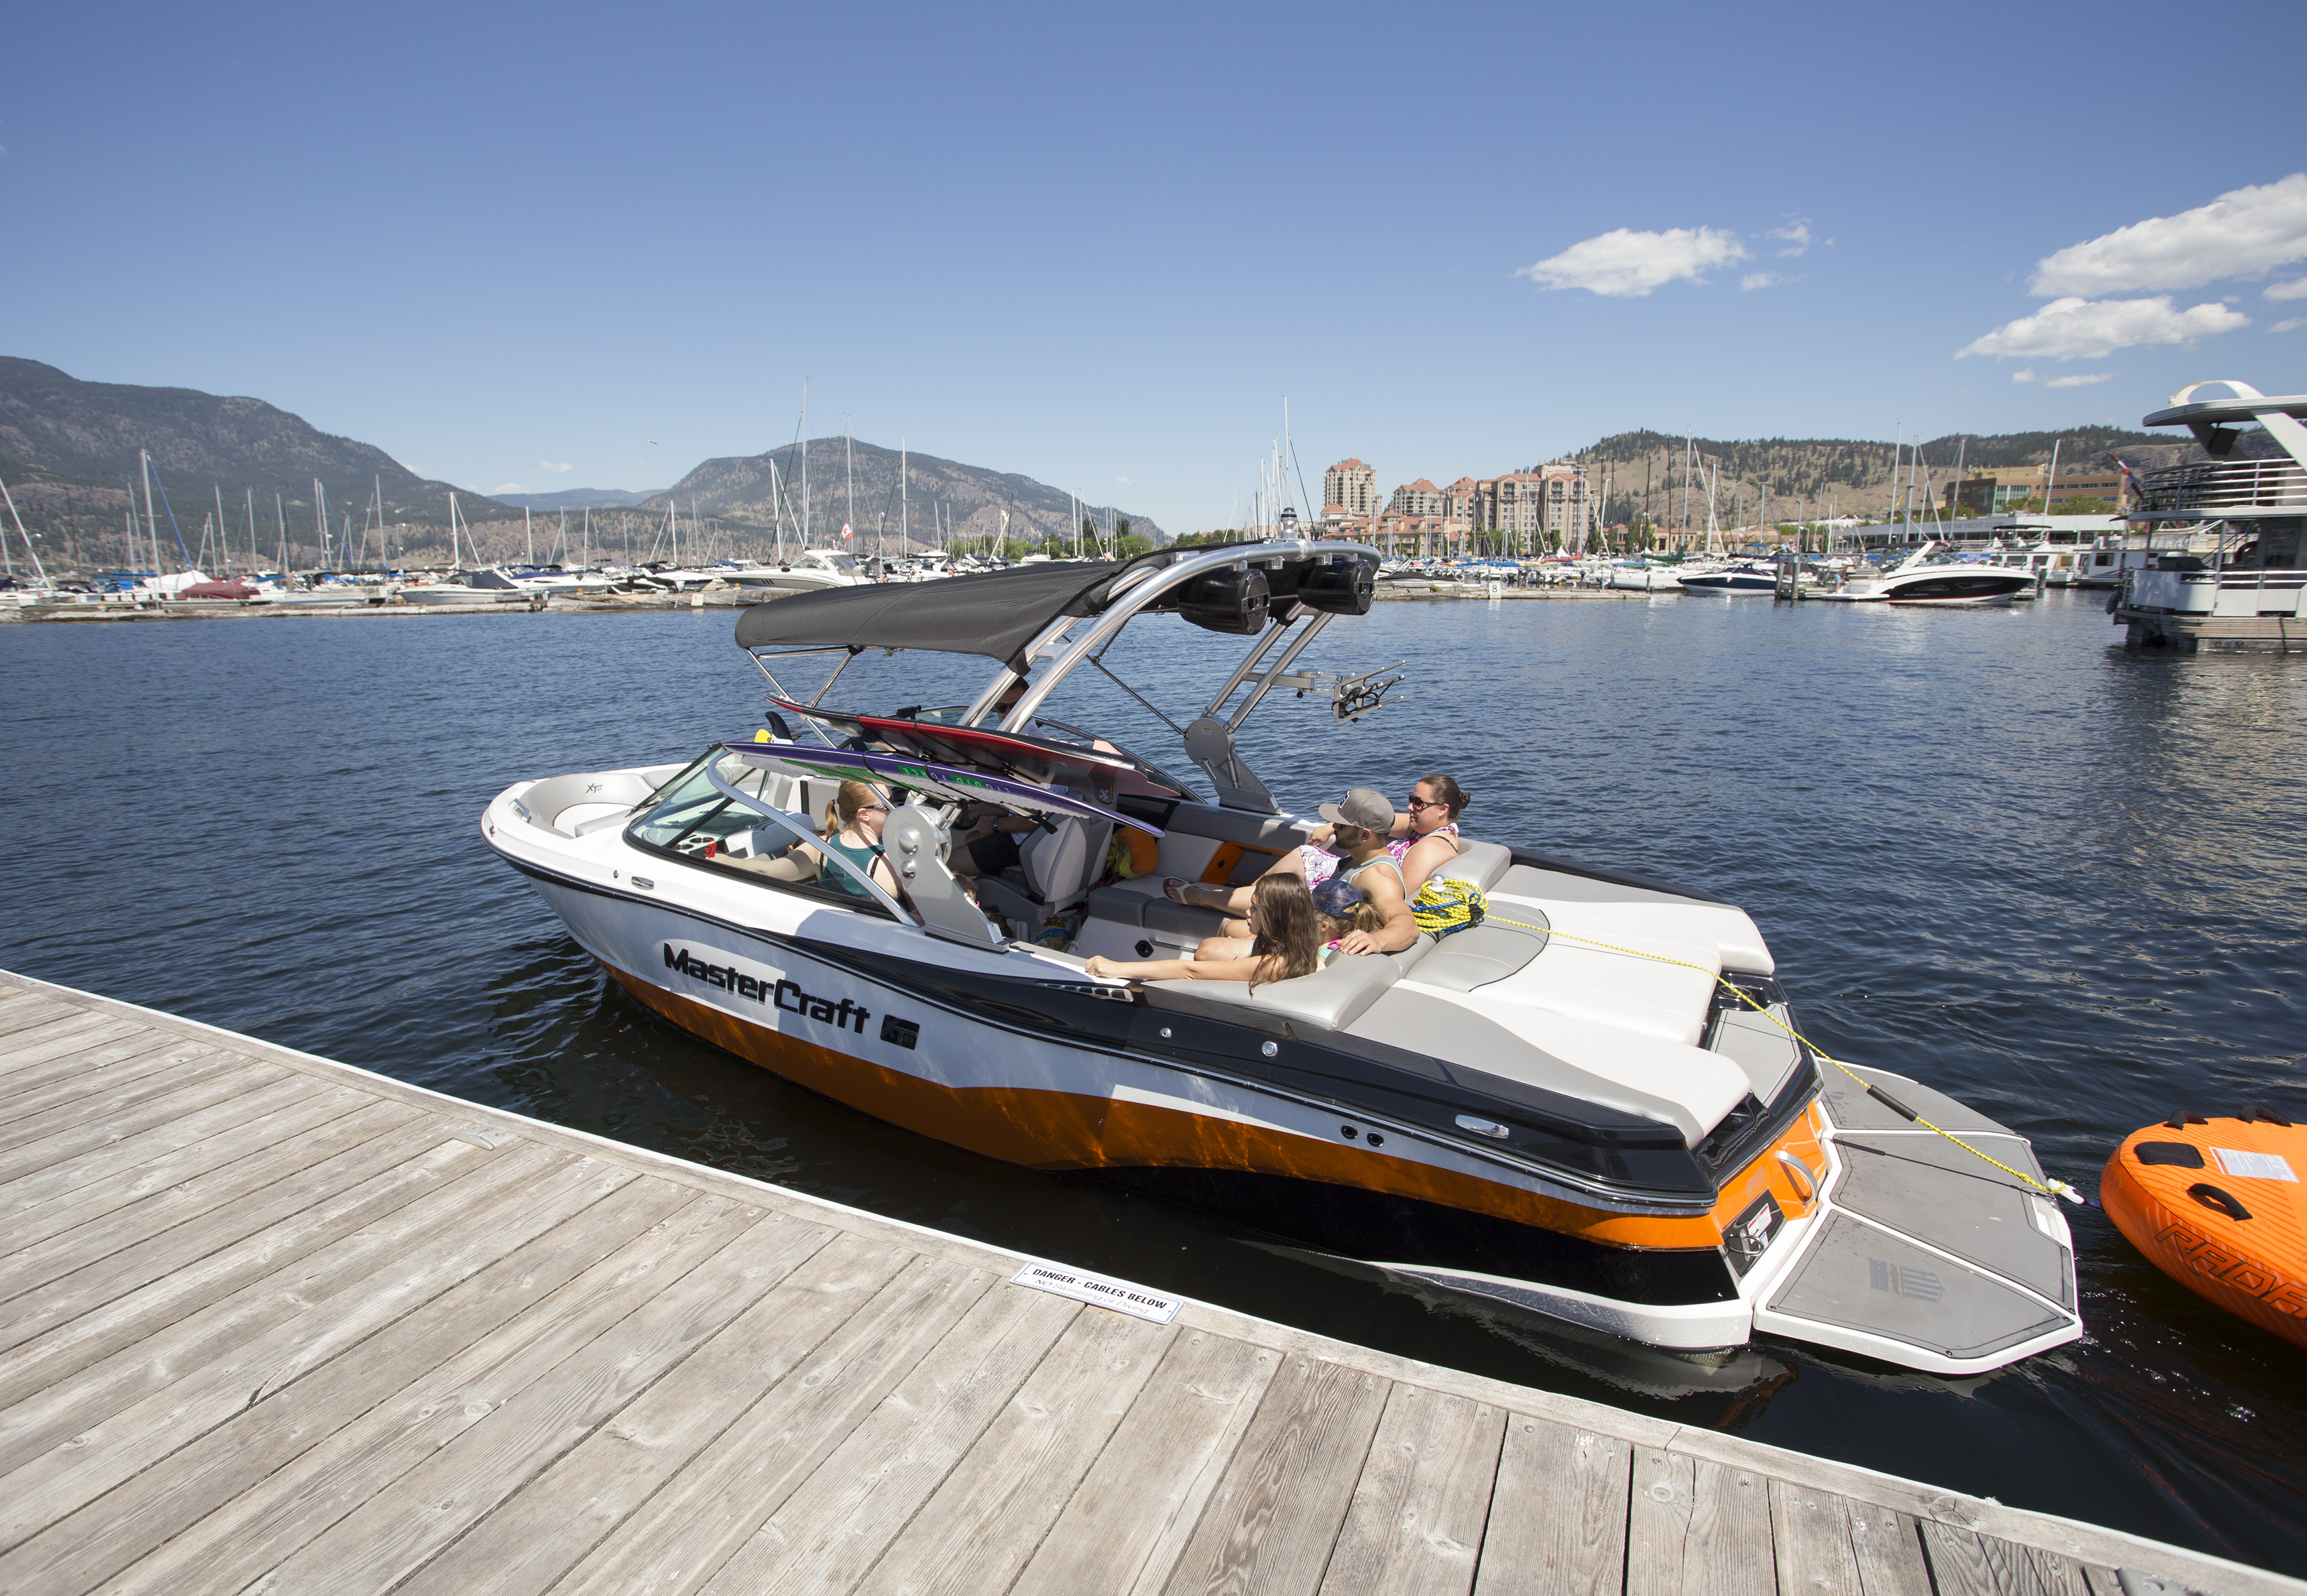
(694, 818)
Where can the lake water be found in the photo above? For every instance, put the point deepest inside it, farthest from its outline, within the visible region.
(1991, 849)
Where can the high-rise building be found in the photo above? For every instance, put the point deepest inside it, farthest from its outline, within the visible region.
(1420, 497)
(1349, 489)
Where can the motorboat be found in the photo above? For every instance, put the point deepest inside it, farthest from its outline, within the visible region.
(1592, 1106)
(457, 587)
(807, 571)
(1742, 576)
(1923, 582)
(547, 582)
(1642, 576)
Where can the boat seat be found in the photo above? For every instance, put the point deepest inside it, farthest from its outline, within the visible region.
(1638, 916)
(1330, 999)
(1059, 864)
(1131, 903)
(1478, 955)
(1481, 863)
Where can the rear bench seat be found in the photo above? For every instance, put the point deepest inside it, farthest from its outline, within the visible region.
(1635, 915)
(1330, 999)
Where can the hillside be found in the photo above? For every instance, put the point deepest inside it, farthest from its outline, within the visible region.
(737, 491)
(1852, 476)
(579, 498)
(81, 439)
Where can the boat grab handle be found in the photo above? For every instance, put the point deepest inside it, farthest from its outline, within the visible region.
(2211, 1197)
(1809, 1176)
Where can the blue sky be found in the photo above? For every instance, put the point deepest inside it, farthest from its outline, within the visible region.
(1101, 246)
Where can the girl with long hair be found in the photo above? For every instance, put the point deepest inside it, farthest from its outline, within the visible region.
(1285, 943)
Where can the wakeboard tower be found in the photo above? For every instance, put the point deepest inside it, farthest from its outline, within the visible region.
(1594, 1105)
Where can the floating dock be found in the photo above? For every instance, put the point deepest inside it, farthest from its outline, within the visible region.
(274, 1323)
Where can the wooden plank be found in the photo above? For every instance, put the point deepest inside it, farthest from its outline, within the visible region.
(89, 1070)
(837, 1522)
(1958, 1561)
(31, 1025)
(132, 1292)
(1416, 1522)
(266, 1481)
(1657, 1520)
(1888, 1547)
(63, 1038)
(976, 1532)
(145, 1202)
(1730, 1531)
(687, 1530)
(1811, 1530)
(135, 1407)
(529, 1542)
(1125, 1527)
(531, 1409)
(1557, 1519)
(101, 1095)
(1275, 1517)
(73, 1156)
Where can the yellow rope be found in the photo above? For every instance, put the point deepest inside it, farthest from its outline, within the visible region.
(2055, 1188)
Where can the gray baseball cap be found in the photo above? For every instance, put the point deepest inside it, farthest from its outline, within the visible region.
(1365, 806)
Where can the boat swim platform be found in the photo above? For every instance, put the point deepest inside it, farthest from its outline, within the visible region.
(274, 1323)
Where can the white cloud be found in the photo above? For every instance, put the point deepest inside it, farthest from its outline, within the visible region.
(553, 466)
(2246, 231)
(2296, 288)
(2089, 330)
(2024, 374)
(1759, 279)
(1126, 481)
(2294, 325)
(2080, 382)
(1625, 264)
(506, 488)
(1795, 236)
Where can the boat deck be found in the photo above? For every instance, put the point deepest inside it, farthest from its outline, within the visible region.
(275, 1323)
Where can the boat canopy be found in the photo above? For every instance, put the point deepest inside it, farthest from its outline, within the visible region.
(996, 613)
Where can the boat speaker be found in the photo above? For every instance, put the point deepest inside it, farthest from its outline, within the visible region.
(1235, 602)
(1346, 588)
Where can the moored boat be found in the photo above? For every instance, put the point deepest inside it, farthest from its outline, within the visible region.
(1592, 1106)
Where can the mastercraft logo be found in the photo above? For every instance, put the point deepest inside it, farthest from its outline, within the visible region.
(784, 995)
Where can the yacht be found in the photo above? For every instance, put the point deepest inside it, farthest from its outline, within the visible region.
(550, 582)
(1592, 1106)
(1922, 582)
(1743, 576)
(1640, 576)
(807, 571)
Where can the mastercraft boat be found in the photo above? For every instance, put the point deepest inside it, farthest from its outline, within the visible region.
(1590, 1105)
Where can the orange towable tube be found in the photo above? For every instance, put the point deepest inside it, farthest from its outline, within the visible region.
(2218, 1206)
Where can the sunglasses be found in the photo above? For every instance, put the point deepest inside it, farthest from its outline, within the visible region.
(1417, 804)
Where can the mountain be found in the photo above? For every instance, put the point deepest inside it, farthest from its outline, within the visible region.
(90, 432)
(1851, 475)
(738, 491)
(579, 498)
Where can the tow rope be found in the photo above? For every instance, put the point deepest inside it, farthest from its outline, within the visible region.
(2052, 1187)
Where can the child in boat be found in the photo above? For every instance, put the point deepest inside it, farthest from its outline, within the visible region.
(1285, 940)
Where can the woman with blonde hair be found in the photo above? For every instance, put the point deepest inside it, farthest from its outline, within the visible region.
(1285, 943)
(853, 829)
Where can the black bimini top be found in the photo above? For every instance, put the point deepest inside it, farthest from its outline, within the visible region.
(994, 613)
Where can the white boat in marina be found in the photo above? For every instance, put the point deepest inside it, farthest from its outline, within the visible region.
(1923, 582)
(1584, 1106)
(1743, 576)
(1640, 576)
(545, 582)
(811, 570)
(455, 588)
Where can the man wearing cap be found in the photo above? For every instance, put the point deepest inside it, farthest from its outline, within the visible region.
(1360, 827)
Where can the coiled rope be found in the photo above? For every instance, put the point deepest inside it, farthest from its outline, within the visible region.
(2050, 1188)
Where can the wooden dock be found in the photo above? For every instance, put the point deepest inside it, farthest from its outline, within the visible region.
(275, 1324)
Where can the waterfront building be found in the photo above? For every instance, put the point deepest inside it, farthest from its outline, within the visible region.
(1991, 490)
(1420, 497)
(1349, 489)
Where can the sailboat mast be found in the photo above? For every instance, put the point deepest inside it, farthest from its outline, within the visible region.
(849, 472)
(224, 548)
(805, 465)
(904, 512)
(452, 534)
(2052, 481)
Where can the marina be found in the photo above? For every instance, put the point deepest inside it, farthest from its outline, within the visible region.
(411, 954)
(278, 1322)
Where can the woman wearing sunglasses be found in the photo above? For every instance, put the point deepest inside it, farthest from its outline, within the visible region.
(853, 829)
